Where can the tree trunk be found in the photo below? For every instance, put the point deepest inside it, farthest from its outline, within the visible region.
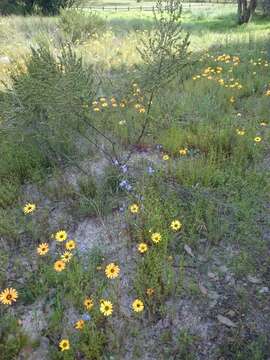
(266, 7)
(246, 10)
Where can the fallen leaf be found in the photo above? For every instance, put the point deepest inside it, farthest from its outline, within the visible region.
(188, 250)
(224, 320)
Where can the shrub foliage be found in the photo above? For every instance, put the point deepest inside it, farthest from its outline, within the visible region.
(80, 25)
(48, 7)
(46, 103)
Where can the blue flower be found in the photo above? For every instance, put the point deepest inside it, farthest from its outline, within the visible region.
(124, 184)
(150, 170)
(86, 317)
(124, 168)
(128, 187)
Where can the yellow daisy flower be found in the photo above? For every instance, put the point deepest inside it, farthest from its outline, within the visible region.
(79, 325)
(156, 237)
(134, 208)
(257, 139)
(112, 271)
(29, 208)
(88, 303)
(165, 157)
(61, 236)
(183, 151)
(150, 291)
(142, 247)
(64, 345)
(240, 132)
(8, 296)
(43, 249)
(176, 225)
(70, 245)
(66, 257)
(106, 308)
(137, 305)
(59, 265)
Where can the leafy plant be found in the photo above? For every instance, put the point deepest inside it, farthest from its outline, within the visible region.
(12, 340)
(165, 52)
(45, 104)
(48, 7)
(80, 25)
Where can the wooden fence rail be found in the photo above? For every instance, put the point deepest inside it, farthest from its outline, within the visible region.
(150, 8)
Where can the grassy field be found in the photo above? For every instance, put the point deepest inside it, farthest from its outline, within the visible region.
(134, 198)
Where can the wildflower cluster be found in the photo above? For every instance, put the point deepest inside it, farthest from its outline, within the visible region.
(66, 255)
(103, 103)
(259, 62)
(136, 101)
(214, 73)
(156, 237)
(222, 74)
(183, 152)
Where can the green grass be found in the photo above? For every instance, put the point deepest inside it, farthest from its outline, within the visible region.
(218, 189)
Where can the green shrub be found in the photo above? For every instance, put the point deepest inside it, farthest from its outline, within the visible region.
(48, 7)
(10, 7)
(45, 107)
(53, 7)
(9, 193)
(21, 159)
(12, 340)
(92, 342)
(80, 25)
